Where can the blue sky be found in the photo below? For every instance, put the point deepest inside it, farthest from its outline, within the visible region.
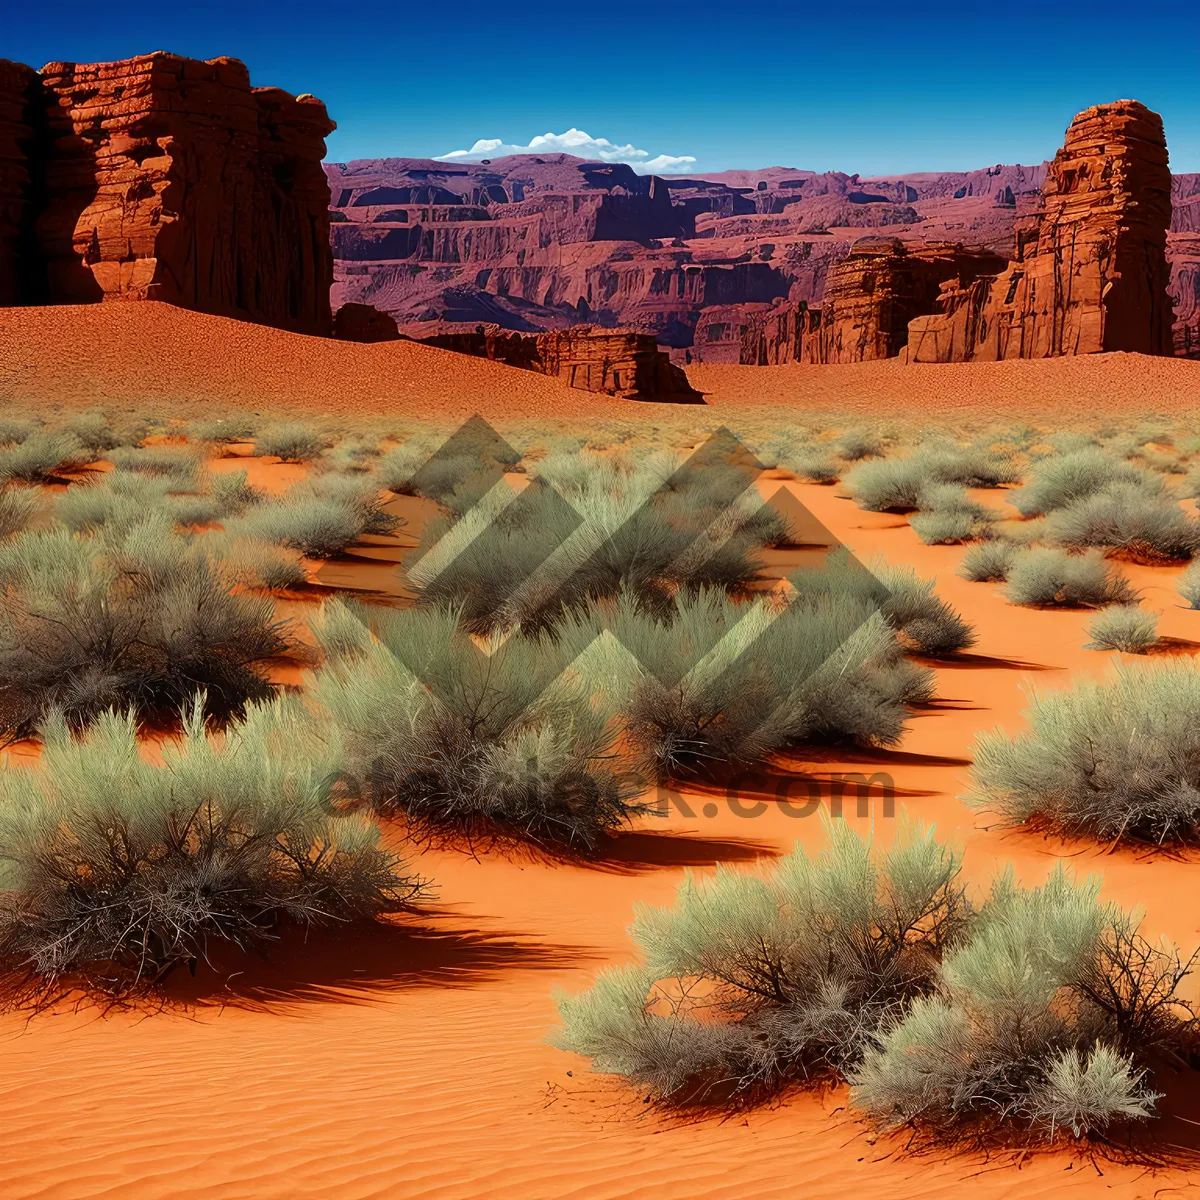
(860, 86)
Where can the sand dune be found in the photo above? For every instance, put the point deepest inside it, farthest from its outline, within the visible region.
(148, 353)
(416, 1065)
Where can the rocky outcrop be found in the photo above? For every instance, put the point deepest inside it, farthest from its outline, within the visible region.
(1091, 271)
(18, 93)
(166, 178)
(615, 362)
(362, 323)
(870, 298)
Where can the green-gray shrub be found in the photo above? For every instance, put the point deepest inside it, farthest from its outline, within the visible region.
(1045, 1019)
(1047, 576)
(751, 982)
(115, 872)
(290, 442)
(42, 457)
(1123, 627)
(988, 562)
(17, 508)
(177, 464)
(1113, 759)
(466, 743)
(1141, 520)
(1063, 479)
(1189, 584)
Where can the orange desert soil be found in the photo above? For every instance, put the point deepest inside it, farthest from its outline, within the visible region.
(414, 1064)
(153, 354)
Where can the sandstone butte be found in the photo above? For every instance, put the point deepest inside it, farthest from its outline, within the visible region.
(741, 266)
(164, 178)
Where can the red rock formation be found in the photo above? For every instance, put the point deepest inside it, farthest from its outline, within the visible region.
(362, 323)
(17, 98)
(1091, 272)
(170, 179)
(870, 298)
(616, 362)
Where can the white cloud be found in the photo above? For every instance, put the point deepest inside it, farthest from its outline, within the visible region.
(580, 144)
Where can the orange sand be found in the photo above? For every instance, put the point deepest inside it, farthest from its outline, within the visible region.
(148, 353)
(415, 1065)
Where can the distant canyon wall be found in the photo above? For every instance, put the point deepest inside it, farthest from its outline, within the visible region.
(164, 178)
(738, 266)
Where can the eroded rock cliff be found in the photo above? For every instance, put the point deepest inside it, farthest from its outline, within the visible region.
(167, 178)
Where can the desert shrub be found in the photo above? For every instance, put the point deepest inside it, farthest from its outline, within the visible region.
(897, 484)
(812, 464)
(1067, 441)
(470, 743)
(949, 515)
(117, 500)
(179, 465)
(1144, 522)
(114, 872)
(354, 455)
(752, 982)
(1189, 585)
(42, 457)
(1123, 627)
(93, 429)
(988, 562)
(1046, 576)
(290, 443)
(141, 621)
(320, 517)
(711, 681)
(1045, 1018)
(855, 444)
(14, 430)
(17, 509)
(254, 563)
(925, 622)
(222, 430)
(1065, 478)
(1110, 759)
(525, 560)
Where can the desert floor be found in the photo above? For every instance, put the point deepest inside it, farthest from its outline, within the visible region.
(416, 1064)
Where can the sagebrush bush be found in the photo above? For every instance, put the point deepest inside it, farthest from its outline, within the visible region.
(711, 682)
(949, 515)
(289, 443)
(1063, 479)
(751, 982)
(855, 444)
(1189, 584)
(98, 434)
(179, 465)
(257, 564)
(42, 457)
(143, 621)
(1114, 759)
(925, 622)
(1044, 1022)
(17, 508)
(114, 872)
(988, 562)
(468, 742)
(1123, 627)
(116, 500)
(585, 532)
(1036, 1016)
(239, 427)
(896, 484)
(1047, 576)
(1142, 521)
(14, 430)
(320, 517)
(811, 464)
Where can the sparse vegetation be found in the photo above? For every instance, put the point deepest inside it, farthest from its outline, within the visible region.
(988, 562)
(1063, 479)
(290, 443)
(1123, 627)
(1043, 576)
(42, 457)
(1109, 760)
(116, 872)
(1141, 520)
